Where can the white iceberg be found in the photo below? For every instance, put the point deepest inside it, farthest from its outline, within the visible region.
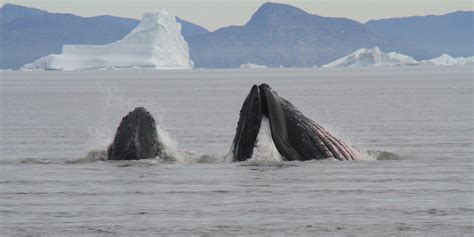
(447, 60)
(252, 66)
(156, 43)
(372, 58)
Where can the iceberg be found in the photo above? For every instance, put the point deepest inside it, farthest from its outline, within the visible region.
(372, 58)
(156, 43)
(252, 66)
(447, 60)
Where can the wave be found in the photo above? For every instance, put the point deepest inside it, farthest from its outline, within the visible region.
(36, 161)
(115, 105)
(187, 157)
(384, 155)
(265, 154)
(92, 156)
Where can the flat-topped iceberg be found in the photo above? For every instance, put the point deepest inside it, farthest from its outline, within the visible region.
(156, 43)
(446, 60)
(372, 58)
(252, 66)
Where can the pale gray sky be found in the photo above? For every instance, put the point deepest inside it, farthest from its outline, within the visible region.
(214, 14)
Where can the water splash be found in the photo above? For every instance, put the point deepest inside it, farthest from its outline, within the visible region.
(116, 104)
(168, 146)
(265, 149)
(91, 157)
(36, 161)
(384, 155)
(361, 152)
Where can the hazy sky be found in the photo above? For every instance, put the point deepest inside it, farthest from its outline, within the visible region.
(214, 14)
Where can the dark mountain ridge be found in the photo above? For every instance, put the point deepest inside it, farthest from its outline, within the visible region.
(279, 34)
(276, 35)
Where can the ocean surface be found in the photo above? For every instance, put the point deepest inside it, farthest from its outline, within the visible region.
(414, 126)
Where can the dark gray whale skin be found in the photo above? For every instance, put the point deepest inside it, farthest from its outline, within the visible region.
(248, 126)
(136, 137)
(296, 137)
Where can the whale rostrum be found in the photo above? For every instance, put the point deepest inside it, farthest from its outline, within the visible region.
(136, 137)
(295, 136)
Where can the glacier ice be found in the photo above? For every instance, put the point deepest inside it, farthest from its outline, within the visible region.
(252, 66)
(372, 58)
(446, 59)
(156, 43)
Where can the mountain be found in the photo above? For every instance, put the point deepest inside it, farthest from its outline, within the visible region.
(28, 34)
(425, 37)
(11, 12)
(156, 43)
(447, 60)
(276, 35)
(372, 58)
(279, 34)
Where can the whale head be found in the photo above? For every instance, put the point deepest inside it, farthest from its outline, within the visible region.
(295, 136)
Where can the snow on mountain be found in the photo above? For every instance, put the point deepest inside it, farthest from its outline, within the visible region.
(156, 43)
(446, 59)
(372, 58)
(252, 66)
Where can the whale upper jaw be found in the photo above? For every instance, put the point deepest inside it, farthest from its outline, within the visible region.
(136, 137)
(295, 136)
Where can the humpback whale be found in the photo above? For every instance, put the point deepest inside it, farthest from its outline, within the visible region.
(136, 137)
(295, 136)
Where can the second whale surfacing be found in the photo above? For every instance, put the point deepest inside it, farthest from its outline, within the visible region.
(136, 137)
(295, 136)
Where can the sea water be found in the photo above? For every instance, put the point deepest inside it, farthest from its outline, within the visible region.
(417, 121)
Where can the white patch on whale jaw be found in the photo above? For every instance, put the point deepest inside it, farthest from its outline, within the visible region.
(265, 149)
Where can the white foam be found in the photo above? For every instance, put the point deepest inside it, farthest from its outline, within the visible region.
(265, 149)
(169, 146)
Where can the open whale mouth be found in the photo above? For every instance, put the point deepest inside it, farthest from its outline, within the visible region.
(265, 149)
(295, 136)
